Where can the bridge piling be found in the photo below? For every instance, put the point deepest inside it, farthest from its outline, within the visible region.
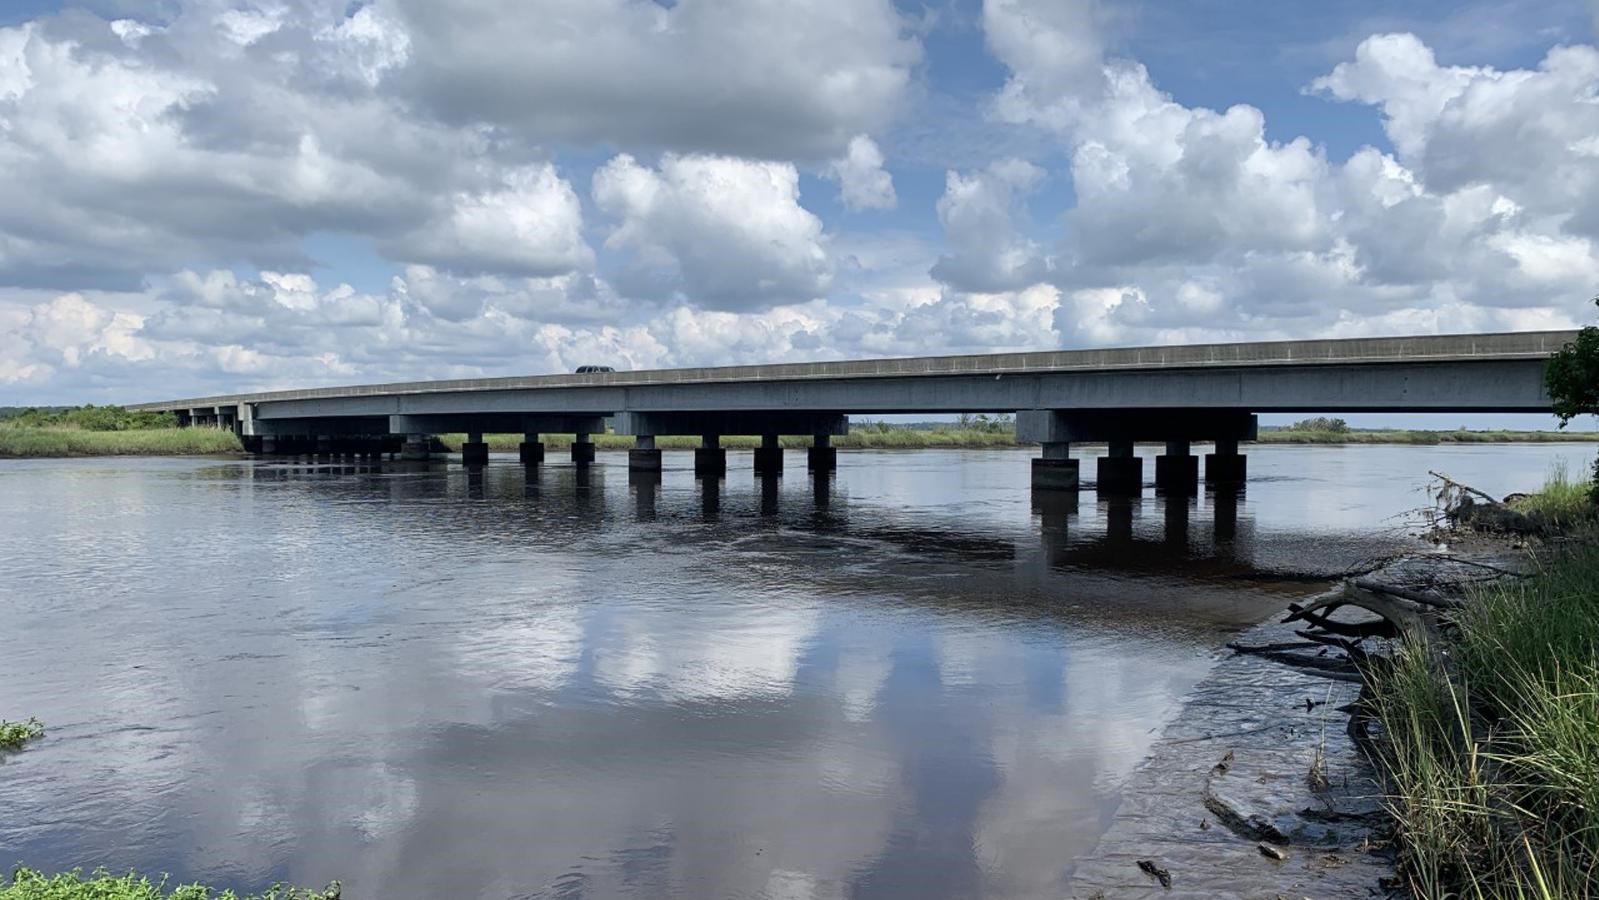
(583, 450)
(1120, 471)
(710, 460)
(531, 450)
(1226, 467)
(1055, 470)
(769, 455)
(822, 456)
(644, 457)
(475, 452)
(1177, 470)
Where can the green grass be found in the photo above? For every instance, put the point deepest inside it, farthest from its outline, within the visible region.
(27, 884)
(49, 441)
(14, 734)
(1561, 502)
(1494, 769)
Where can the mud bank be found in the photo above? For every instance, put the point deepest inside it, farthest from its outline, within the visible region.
(1259, 755)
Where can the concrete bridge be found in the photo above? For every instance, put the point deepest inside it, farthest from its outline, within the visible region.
(1178, 395)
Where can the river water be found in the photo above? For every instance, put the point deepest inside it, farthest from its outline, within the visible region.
(910, 680)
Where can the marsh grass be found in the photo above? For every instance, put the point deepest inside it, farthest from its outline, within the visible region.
(1494, 768)
(57, 441)
(1294, 435)
(14, 734)
(1561, 502)
(27, 884)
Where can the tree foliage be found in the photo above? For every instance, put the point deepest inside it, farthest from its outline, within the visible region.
(91, 418)
(1572, 380)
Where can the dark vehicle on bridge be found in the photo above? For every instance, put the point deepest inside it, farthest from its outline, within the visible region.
(592, 370)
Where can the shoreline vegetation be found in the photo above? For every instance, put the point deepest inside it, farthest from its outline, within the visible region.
(112, 431)
(27, 884)
(1490, 730)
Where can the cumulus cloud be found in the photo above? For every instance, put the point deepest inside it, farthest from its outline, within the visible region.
(761, 78)
(863, 183)
(728, 233)
(981, 213)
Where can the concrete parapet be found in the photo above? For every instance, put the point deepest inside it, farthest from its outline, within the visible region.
(710, 461)
(1120, 474)
(531, 452)
(644, 460)
(1055, 474)
(1177, 473)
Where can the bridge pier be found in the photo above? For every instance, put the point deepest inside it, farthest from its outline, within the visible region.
(769, 455)
(475, 451)
(531, 450)
(644, 457)
(822, 456)
(1226, 467)
(1120, 471)
(582, 450)
(1055, 470)
(709, 457)
(1177, 470)
(417, 447)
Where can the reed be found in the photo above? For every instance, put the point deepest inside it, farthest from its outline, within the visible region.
(54, 441)
(27, 884)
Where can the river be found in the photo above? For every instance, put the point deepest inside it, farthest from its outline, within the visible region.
(910, 680)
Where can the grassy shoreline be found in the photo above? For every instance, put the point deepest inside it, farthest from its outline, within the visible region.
(1492, 733)
(26, 442)
(27, 884)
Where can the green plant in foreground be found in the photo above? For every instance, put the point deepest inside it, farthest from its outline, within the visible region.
(14, 734)
(27, 884)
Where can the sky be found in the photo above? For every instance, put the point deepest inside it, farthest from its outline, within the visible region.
(209, 196)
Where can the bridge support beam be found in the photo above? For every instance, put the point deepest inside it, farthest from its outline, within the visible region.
(475, 451)
(710, 460)
(417, 447)
(1226, 467)
(1177, 470)
(644, 457)
(583, 450)
(822, 456)
(531, 450)
(1120, 471)
(1055, 470)
(769, 455)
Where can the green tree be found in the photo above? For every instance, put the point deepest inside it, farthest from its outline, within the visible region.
(1572, 380)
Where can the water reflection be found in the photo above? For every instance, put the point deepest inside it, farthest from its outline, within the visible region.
(909, 678)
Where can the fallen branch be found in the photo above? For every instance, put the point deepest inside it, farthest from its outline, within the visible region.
(1427, 598)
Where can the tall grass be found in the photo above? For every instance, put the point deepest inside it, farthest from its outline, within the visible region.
(1561, 502)
(1294, 435)
(24, 441)
(1493, 741)
(27, 884)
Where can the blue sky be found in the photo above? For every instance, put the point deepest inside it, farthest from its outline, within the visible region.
(214, 195)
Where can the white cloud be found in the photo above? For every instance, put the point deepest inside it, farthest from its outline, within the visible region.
(763, 78)
(727, 233)
(982, 213)
(863, 183)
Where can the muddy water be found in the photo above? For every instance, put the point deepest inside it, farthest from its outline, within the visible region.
(910, 680)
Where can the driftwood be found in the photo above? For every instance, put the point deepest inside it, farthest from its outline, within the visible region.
(1250, 826)
(1426, 598)
(1465, 505)
(1336, 669)
(1407, 617)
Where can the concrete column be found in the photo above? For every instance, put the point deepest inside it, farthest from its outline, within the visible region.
(769, 456)
(1055, 470)
(1177, 470)
(644, 457)
(709, 457)
(645, 485)
(417, 447)
(1226, 466)
(1121, 472)
(475, 452)
(531, 449)
(269, 445)
(583, 450)
(822, 456)
(324, 445)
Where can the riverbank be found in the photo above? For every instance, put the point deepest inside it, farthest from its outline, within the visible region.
(1399, 436)
(25, 442)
